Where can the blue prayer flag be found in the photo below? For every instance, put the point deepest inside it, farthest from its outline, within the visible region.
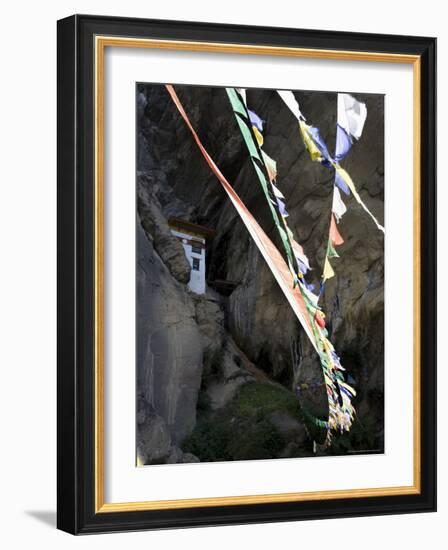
(256, 120)
(309, 286)
(282, 208)
(341, 184)
(319, 141)
(343, 143)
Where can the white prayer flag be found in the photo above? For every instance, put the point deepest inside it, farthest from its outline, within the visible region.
(292, 104)
(352, 115)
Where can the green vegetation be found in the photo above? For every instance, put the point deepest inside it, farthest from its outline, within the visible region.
(243, 429)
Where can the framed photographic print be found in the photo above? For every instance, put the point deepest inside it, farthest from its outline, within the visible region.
(246, 274)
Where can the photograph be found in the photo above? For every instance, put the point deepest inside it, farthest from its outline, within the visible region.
(220, 275)
(246, 268)
(259, 273)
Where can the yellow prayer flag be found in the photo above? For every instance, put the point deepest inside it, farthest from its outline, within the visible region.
(344, 175)
(313, 150)
(258, 135)
(328, 270)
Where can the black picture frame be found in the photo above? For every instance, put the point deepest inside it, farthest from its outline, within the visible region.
(76, 511)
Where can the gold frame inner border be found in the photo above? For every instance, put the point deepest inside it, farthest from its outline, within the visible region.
(100, 44)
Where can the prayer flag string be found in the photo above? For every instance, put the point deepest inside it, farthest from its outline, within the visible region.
(341, 411)
(351, 118)
(318, 150)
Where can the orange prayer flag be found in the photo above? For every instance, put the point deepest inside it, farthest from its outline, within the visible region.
(335, 236)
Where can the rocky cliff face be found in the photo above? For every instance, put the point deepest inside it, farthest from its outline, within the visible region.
(221, 373)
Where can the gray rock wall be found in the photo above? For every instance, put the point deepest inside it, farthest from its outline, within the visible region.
(169, 349)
